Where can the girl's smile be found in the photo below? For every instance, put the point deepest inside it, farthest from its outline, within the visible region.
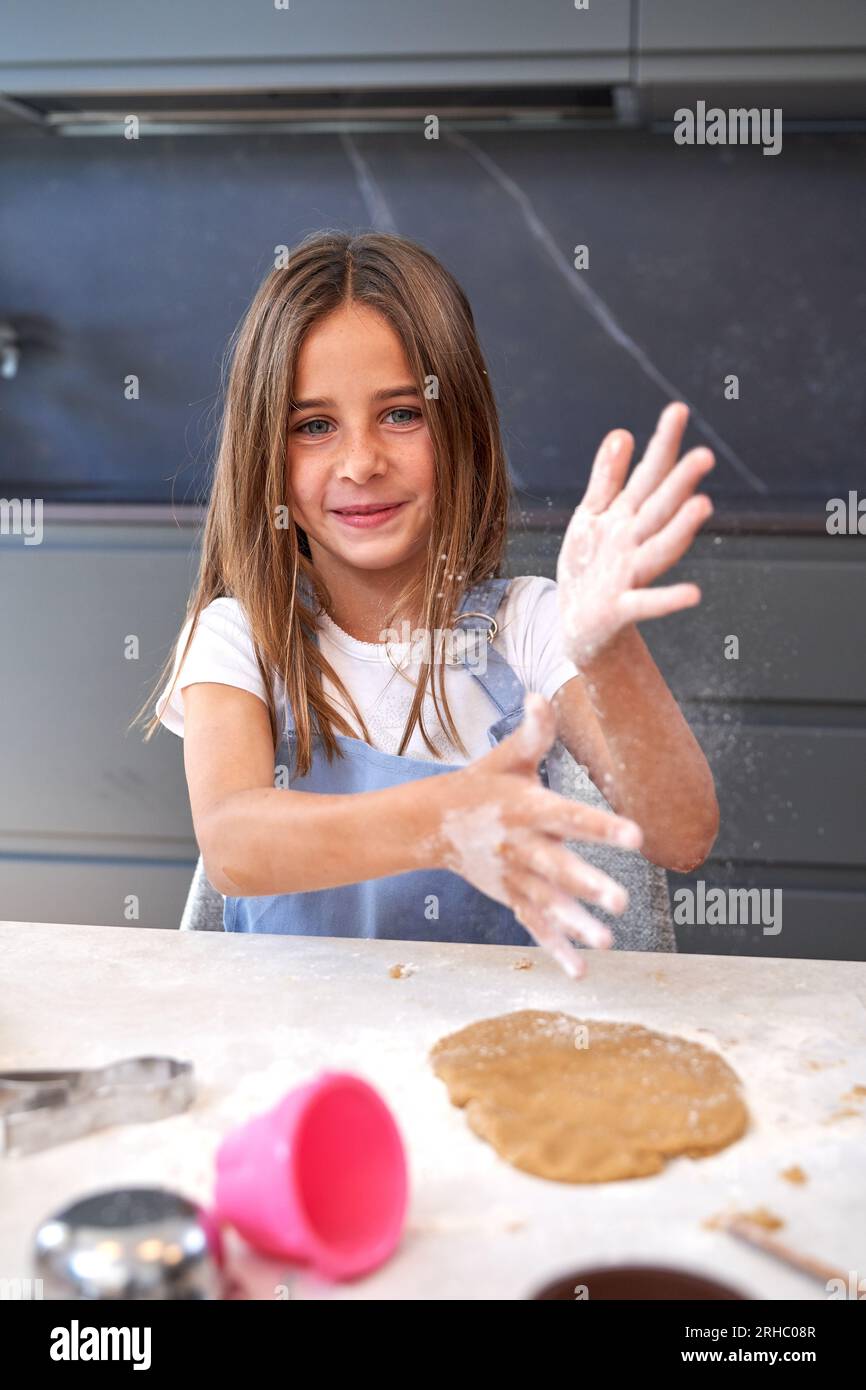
(371, 514)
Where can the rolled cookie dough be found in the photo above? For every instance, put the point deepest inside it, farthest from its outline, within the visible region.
(589, 1101)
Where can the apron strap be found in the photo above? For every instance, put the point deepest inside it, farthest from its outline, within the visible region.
(498, 680)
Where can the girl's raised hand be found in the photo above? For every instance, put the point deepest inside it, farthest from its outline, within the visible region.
(502, 831)
(625, 534)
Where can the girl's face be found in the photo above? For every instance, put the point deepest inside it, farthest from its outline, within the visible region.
(359, 439)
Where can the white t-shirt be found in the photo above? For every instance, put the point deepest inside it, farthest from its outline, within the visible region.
(528, 638)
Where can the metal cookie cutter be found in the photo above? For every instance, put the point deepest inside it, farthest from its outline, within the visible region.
(41, 1108)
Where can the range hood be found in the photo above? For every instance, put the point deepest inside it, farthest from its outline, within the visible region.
(92, 112)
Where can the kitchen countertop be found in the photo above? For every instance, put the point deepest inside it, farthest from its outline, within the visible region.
(259, 1014)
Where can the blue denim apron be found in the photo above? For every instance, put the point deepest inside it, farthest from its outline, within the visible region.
(420, 905)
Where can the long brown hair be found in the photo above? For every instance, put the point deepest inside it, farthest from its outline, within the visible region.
(250, 554)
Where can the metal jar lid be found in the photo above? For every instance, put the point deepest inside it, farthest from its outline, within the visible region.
(129, 1242)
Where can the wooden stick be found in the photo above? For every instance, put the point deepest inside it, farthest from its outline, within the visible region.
(753, 1234)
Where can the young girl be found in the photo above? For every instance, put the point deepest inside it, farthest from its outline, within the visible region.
(345, 783)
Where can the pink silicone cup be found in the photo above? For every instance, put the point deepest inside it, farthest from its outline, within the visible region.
(321, 1178)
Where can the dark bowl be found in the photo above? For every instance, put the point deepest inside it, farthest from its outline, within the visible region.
(638, 1282)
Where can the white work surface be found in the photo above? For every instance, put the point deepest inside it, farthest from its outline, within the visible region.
(260, 1014)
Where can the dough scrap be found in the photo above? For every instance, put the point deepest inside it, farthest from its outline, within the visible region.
(401, 971)
(794, 1174)
(589, 1100)
(730, 1220)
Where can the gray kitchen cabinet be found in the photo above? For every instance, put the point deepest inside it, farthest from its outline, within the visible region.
(804, 59)
(760, 43)
(749, 26)
(98, 45)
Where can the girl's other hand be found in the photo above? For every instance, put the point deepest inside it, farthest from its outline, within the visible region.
(503, 831)
(621, 538)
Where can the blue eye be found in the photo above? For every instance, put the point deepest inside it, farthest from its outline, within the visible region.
(407, 410)
(303, 427)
